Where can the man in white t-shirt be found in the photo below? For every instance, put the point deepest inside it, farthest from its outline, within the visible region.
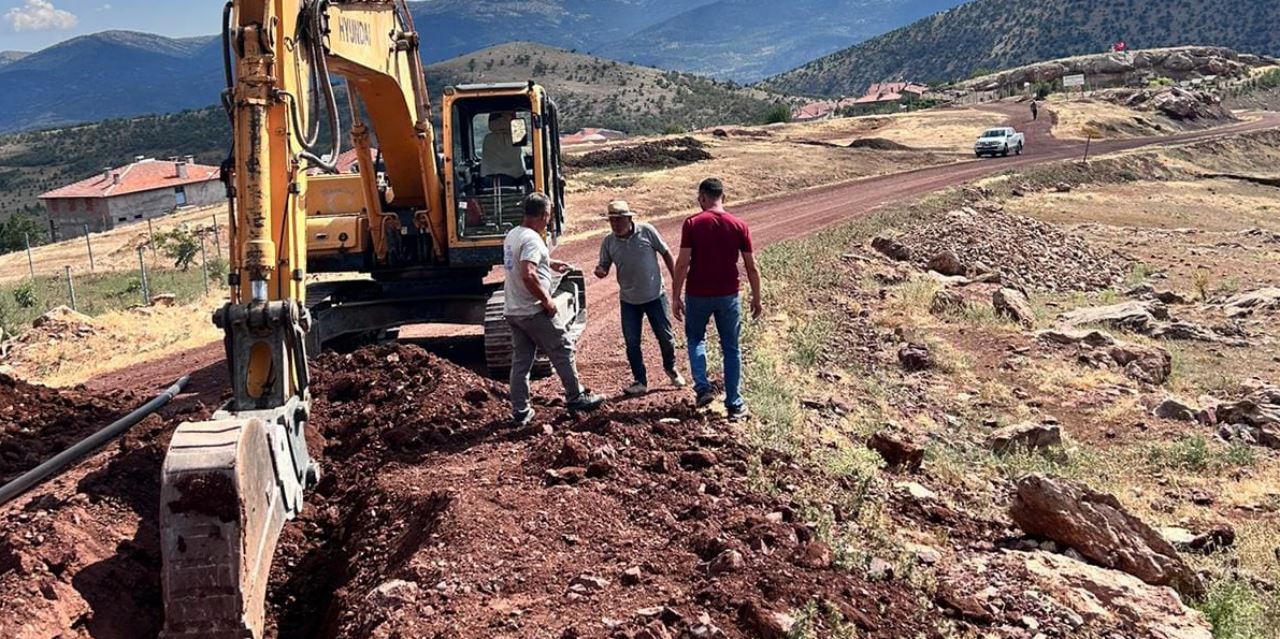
(531, 313)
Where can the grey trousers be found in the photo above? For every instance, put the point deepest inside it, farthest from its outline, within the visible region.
(528, 335)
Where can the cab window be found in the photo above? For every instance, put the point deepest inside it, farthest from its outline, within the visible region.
(493, 164)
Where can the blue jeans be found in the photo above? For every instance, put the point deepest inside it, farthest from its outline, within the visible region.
(727, 311)
(659, 313)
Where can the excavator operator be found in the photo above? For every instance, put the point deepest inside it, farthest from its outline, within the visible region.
(502, 159)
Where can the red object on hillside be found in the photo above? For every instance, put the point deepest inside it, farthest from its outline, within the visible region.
(1120, 47)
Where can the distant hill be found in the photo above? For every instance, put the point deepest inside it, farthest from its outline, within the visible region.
(747, 40)
(106, 75)
(987, 35)
(590, 92)
(593, 91)
(9, 57)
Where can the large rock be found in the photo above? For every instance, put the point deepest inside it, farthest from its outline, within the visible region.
(892, 248)
(1014, 305)
(1073, 338)
(898, 452)
(1024, 437)
(1172, 408)
(947, 263)
(1260, 408)
(1245, 304)
(1139, 317)
(1098, 527)
(915, 358)
(1150, 364)
(1109, 598)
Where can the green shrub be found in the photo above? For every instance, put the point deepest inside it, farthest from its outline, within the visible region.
(24, 295)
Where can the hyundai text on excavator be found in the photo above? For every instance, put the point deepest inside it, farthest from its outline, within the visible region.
(417, 230)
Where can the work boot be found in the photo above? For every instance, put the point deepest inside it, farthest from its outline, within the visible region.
(635, 390)
(520, 420)
(739, 413)
(585, 403)
(704, 399)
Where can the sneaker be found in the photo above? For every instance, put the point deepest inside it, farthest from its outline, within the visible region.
(635, 390)
(740, 413)
(520, 420)
(677, 379)
(704, 399)
(586, 402)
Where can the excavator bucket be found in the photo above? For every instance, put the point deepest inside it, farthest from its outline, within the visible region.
(222, 509)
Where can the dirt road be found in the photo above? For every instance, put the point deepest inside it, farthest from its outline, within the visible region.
(772, 220)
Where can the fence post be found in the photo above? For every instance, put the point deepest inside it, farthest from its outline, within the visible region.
(89, 243)
(151, 234)
(71, 288)
(204, 265)
(217, 241)
(31, 265)
(142, 271)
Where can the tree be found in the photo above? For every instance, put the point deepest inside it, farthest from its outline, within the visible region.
(15, 231)
(777, 113)
(179, 244)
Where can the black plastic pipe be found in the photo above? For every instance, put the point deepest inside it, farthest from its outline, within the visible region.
(33, 477)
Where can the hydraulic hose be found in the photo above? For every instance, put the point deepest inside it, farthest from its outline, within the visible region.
(33, 477)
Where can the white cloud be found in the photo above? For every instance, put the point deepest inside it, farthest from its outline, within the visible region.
(39, 15)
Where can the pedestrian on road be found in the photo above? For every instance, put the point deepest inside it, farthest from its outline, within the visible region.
(710, 244)
(533, 316)
(634, 247)
(1035, 110)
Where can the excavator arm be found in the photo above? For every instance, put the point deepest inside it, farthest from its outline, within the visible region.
(230, 484)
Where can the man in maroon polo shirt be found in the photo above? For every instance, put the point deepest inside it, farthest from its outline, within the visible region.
(710, 244)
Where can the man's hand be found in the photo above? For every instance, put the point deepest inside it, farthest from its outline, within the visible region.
(560, 267)
(757, 309)
(548, 307)
(601, 273)
(677, 309)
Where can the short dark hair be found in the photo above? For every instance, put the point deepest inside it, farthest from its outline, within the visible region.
(536, 205)
(712, 188)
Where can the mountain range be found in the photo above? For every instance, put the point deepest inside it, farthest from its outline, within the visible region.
(988, 35)
(122, 73)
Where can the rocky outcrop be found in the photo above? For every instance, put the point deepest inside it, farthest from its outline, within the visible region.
(1014, 305)
(1176, 103)
(1123, 69)
(1098, 527)
(1149, 364)
(1112, 598)
(1137, 317)
(1028, 437)
(1246, 304)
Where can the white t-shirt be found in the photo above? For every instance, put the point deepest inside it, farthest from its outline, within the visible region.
(523, 244)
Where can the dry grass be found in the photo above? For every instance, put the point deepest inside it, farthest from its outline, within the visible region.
(120, 339)
(1108, 121)
(114, 250)
(755, 168)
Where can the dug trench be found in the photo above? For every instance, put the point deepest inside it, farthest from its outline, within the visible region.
(437, 520)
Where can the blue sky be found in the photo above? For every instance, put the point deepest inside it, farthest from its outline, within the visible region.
(29, 25)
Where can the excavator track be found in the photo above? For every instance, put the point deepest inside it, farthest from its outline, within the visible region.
(570, 297)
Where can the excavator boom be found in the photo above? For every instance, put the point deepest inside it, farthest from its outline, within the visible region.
(423, 233)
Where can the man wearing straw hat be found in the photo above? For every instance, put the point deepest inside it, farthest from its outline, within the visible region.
(634, 248)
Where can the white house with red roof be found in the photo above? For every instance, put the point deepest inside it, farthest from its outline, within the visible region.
(146, 189)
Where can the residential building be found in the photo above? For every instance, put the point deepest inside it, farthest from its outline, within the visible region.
(145, 189)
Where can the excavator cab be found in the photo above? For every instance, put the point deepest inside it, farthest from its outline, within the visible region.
(502, 143)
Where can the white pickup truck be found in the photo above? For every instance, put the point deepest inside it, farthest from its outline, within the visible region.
(999, 141)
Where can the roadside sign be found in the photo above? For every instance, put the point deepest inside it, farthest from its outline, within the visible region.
(1073, 81)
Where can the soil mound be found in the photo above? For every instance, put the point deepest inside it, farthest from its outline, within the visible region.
(658, 154)
(878, 144)
(1023, 250)
(37, 423)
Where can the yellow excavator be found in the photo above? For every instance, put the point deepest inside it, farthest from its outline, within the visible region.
(415, 232)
